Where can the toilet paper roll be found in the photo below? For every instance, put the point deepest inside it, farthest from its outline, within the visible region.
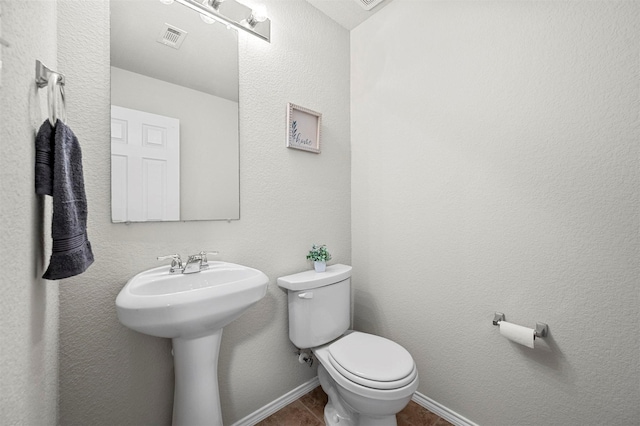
(517, 333)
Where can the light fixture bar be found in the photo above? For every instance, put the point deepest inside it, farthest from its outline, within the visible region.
(234, 14)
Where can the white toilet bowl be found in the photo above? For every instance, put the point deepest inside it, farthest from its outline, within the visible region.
(364, 389)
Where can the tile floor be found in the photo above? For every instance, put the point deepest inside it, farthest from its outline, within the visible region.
(309, 409)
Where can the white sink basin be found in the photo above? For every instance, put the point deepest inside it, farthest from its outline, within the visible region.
(191, 310)
(161, 304)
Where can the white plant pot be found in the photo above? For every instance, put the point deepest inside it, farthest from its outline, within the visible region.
(319, 266)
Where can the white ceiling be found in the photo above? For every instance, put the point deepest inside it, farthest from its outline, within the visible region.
(347, 13)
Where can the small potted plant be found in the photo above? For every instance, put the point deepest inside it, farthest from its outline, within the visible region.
(320, 256)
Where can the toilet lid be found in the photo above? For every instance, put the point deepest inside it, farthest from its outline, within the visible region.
(367, 359)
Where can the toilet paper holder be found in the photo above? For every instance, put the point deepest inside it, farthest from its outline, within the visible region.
(541, 330)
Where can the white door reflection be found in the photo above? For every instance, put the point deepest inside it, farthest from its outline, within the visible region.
(145, 166)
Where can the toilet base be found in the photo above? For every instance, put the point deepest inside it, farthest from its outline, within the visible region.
(337, 412)
(330, 419)
(334, 412)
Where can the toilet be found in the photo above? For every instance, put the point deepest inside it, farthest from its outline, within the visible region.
(367, 378)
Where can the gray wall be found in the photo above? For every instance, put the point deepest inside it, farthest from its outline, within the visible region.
(29, 304)
(290, 199)
(495, 168)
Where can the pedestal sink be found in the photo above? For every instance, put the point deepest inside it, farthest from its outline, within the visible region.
(191, 309)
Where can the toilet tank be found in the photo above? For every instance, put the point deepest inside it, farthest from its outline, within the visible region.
(319, 305)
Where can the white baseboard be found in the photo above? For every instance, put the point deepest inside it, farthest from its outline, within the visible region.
(442, 411)
(279, 403)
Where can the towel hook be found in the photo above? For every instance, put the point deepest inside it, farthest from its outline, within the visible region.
(52, 79)
(51, 98)
(43, 73)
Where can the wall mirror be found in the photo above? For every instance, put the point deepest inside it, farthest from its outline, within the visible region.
(174, 115)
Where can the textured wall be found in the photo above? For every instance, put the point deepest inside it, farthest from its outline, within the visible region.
(495, 168)
(289, 200)
(29, 305)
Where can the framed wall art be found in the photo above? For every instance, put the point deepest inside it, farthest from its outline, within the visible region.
(303, 128)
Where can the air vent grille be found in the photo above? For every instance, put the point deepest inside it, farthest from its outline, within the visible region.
(172, 36)
(368, 4)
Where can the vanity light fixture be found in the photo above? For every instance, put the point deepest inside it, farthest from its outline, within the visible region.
(166, 1)
(213, 4)
(232, 14)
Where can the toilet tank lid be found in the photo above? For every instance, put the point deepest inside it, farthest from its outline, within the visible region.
(311, 279)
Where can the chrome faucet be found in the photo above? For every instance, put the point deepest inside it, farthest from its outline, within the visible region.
(195, 262)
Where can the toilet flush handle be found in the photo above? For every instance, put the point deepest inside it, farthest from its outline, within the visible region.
(307, 295)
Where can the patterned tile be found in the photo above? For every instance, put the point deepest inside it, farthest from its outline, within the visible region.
(415, 415)
(315, 402)
(294, 414)
(309, 411)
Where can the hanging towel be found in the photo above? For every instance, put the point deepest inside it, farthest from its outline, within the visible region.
(58, 172)
(44, 159)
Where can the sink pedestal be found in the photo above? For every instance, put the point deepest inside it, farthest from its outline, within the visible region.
(196, 399)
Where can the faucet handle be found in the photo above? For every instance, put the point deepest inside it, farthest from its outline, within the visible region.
(175, 261)
(204, 254)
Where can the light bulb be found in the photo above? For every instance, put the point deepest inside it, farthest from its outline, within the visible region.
(259, 12)
(166, 1)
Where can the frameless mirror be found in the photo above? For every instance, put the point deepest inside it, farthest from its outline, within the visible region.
(174, 115)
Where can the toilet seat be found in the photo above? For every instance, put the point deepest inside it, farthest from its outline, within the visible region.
(372, 361)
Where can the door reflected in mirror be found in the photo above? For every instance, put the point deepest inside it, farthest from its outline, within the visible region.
(174, 115)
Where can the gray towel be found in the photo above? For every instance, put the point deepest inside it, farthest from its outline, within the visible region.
(44, 159)
(58, 172)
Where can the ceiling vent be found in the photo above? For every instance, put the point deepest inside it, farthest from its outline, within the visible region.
(368, 4)
(172, 36)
